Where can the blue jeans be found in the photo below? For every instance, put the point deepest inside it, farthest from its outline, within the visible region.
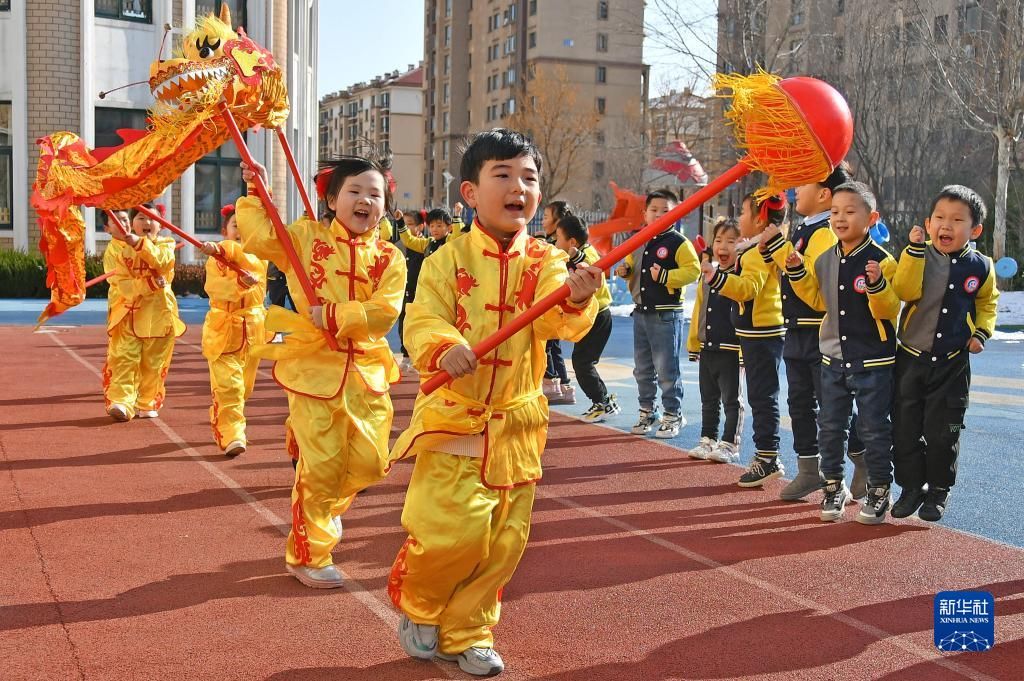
(872, 390)
(657, 344)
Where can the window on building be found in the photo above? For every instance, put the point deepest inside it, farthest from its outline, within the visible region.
(5, 5)
(109, 121)
(218, 182)
(444, 94)
(204, 7)
(600, 105)
(602, 9)
(470, 30)
(840, 6)
(128, 10)
(6, 163)
(968, 17)
(512, 105)
(469, 88)
(602, 74)
(796, 12)
(532, 40)
(385, 124)
(533, 7)
(602, 42)
(512, 12)
(447, 63)
(444, 150)
(444, 122)
(447, 8)
(598, 170)
(599, 138)
(942, 28)
(447, 36)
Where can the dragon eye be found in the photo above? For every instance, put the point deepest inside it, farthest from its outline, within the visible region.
(207, 48)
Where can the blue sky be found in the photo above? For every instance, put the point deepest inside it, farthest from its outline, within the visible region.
(356, 45)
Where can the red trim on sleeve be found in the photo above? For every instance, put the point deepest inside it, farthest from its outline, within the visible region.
(436, 357)
(332, 321)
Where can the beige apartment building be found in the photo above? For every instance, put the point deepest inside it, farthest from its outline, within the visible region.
(58, 55)
(386, 112)
(479, 54)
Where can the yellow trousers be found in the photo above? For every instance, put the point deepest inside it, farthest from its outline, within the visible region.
(135, 370)
(232, 378)
(465, 541)
(343, 448)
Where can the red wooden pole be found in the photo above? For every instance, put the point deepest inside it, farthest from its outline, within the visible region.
(279, 227)
(283, 139)
(607, 260)
(106, 275)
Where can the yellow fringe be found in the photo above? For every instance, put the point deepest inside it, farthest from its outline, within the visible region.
(774, 135)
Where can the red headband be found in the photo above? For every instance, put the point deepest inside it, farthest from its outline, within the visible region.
(162, 209)
(775, 202)
(227, 210)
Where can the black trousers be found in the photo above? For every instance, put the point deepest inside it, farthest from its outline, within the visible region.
(556, 365)
(410, 295)
(277, 289)
(931, 401)
(587, 353)
(761, 358)
(719, 376)
(802, 355)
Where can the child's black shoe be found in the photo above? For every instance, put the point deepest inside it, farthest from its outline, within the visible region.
(934, 505)
(910, 500)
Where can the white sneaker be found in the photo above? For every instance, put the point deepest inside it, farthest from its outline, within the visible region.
(118, 412)
(552, 389)
(703, 448)
(418, 640)
(235, 448)
(725, 452)
(568, 394)
(326, 577)
(477, 661)
(671, 424)
(148, 414)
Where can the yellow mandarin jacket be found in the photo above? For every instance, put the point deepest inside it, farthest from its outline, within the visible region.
(467, 290)
(236, 317)
(151, 310)
(360, 281)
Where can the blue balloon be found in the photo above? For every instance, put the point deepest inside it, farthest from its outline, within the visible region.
(879, 232)
(1006, 267)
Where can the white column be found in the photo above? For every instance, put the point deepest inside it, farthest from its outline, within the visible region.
(188, 178)
(87, 98)
(21, 148)
(163, 13)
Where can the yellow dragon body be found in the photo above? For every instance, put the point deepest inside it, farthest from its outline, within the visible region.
(215, 64)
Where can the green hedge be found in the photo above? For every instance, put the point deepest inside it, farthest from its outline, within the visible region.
(23, 275)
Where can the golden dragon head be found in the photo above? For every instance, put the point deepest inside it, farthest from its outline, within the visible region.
(213, 63)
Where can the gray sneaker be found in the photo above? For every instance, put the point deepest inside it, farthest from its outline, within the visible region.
(477, 661)
(645, 424)
(833, 505)
(808, 479)
(875, 506)
(670, 426)
(418, 640)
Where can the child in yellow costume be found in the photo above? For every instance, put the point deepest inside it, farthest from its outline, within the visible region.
(339, 409)
(142, 321)
(478, 441)
(234, 324)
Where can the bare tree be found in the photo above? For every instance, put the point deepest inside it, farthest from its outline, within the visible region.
(547, 110)
(978, 67)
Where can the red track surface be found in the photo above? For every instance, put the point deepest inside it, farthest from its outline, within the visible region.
(136, 551)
